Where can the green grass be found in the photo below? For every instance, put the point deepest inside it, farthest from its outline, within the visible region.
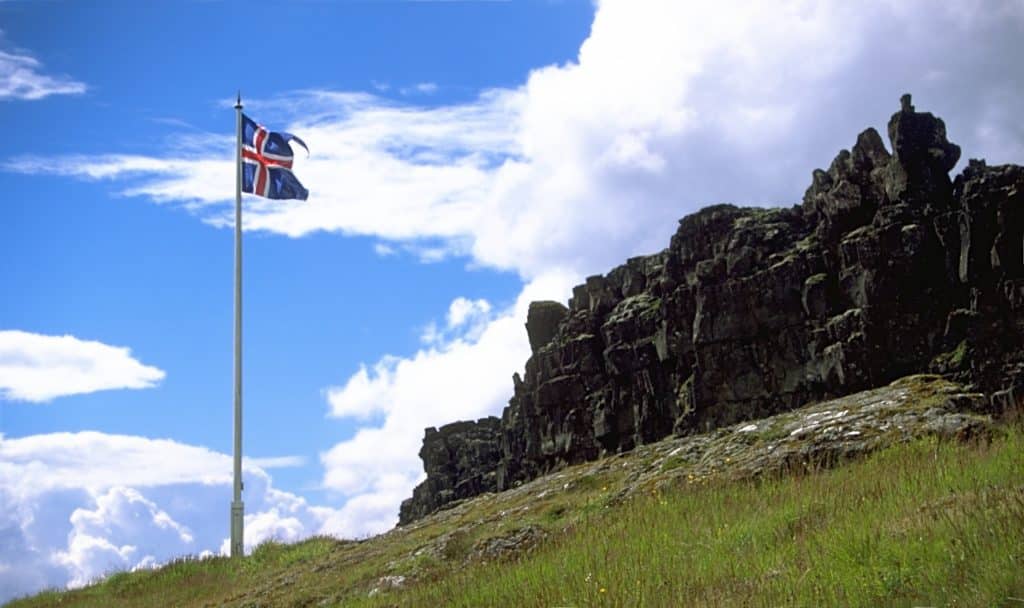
(926, 523)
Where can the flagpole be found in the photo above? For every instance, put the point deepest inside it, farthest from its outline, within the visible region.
(237, 506)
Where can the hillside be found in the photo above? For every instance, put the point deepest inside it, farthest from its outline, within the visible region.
(745, 515)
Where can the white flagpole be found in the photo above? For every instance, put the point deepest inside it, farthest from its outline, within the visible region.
(237, 506)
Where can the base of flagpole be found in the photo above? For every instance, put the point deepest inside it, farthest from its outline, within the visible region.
(237, 517)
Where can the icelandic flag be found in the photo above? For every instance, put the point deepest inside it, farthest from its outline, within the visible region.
(267, 162)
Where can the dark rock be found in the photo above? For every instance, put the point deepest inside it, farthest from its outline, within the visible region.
(888, 268)
(922, 158)
(459, 459)
(542, 322)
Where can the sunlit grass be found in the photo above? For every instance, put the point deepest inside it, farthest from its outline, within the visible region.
(928, 523)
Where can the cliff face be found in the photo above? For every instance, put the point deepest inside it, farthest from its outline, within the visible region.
(887, 268)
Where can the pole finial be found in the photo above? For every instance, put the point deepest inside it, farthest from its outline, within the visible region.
(238, 101)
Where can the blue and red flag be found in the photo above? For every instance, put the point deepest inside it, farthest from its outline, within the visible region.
(267, 162)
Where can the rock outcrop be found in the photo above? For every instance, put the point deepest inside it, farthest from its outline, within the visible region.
(542, 321)
(460, 460)
(887, 268)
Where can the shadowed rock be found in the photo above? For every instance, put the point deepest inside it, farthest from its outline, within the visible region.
(460, 459)
(542, 321)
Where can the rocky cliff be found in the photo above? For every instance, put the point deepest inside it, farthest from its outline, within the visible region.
(887, 268)
(460, 460)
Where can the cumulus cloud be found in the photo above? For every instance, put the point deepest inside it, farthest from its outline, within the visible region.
(464, 312)
(669, 106)
(466, 320)
(104, 538)
(21, 77)
(76, 506)
(465, 374)
(38, 368)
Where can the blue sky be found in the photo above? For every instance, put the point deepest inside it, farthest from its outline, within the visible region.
(90, 262)
(466, 158)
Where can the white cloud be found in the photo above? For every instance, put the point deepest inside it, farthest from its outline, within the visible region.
(102, 539)
(669, 106)
(37, 368)
(375, 168)
(384, 250)
(94, 461)
(466, 320)
(76, 506)
(466, 374)
(21, 78)
(463, 311)
(420, 88)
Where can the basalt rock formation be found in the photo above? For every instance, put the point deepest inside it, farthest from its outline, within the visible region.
(460, 460)
(886, 269)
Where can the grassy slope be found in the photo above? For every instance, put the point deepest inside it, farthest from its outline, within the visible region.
(922, 524)
(929, 522)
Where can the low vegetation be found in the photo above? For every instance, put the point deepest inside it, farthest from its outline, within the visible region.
(927, 523)
(934, 521)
